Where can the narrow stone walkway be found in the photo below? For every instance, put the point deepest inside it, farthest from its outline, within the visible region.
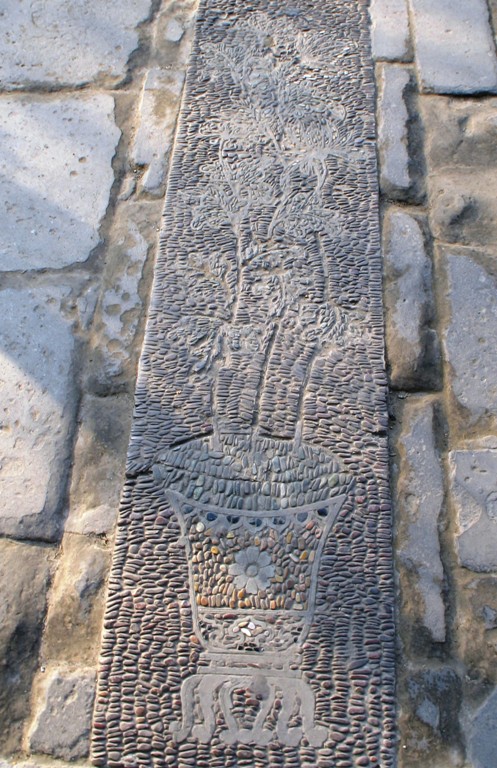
(250, 607)
(89, 99)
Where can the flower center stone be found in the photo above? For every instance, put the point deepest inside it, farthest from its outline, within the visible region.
(252, 569)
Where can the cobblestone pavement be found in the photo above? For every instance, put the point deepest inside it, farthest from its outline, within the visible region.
(88, 107)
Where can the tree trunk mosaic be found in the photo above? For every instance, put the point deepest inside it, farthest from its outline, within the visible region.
(250, 610)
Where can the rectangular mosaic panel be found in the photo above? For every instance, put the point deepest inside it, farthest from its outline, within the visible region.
(250, 611)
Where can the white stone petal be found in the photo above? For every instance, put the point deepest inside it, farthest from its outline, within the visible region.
(253, 554)
(242, 557)
(264, 559)
(240, 581)
(251, 586)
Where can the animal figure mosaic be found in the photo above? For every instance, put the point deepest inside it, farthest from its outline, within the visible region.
(249, 619)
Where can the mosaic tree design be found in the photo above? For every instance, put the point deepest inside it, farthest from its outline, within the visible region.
(249, 618)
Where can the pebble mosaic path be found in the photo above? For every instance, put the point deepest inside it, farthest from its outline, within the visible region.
(249, 618)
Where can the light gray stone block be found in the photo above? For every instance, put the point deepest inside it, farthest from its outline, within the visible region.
(393, 137)
(158, 113)
(55, 178)
(24, 581)
(67, 42)
(389, 29)
(483, 734)
(469, 338)
(420, 497)
(412, 345)
(61, 724)
(455, 52)
(474, 488)
(37, 409)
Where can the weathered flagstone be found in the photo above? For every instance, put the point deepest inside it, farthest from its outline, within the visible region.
(393, 135)
(249, 618)
(74, 618)
(429, 717)
(390, 29)
(38, 406)
(413, 348)
(474, 486)
(161, 93)
(461, 155)
(420, 497)
(61, 725)
(98, 466)
(455, 52)
(55, 178)
(470, 335)
(24, 580)
(66, 42)
(483, 733)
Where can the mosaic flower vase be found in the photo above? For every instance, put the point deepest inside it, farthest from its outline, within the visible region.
(255, 518)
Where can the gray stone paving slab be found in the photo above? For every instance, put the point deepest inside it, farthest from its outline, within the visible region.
(393, 117)
(474, 488)
(37, 411)
(413, 349)
(158, 111)
(253, 565)
(420, 497)
(390, 29)
(55, 178)
(25, 572)
(61, 725)
(67, 42)
(455, 50)
(469, 338)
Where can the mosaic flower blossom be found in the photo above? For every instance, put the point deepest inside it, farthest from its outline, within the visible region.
(252, 570)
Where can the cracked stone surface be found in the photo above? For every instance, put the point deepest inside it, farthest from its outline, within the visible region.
(67, 42)
(38, 404)
(55, 178)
